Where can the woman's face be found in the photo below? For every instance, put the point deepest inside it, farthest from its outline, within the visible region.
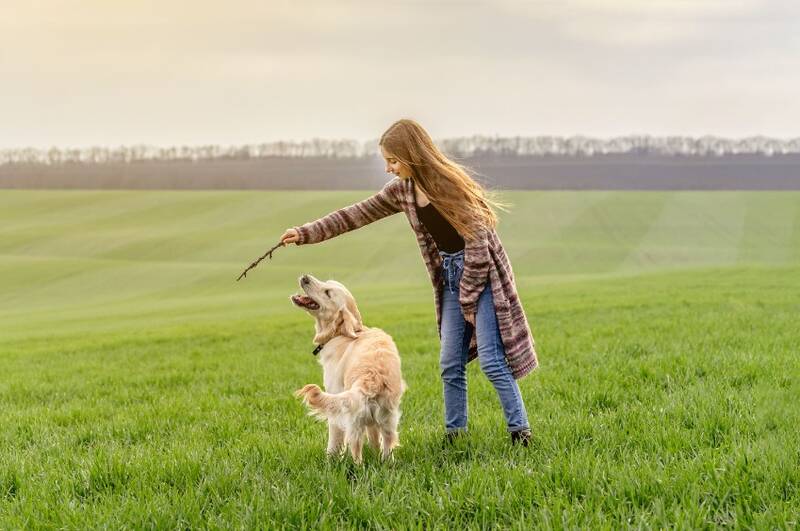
(395, 166)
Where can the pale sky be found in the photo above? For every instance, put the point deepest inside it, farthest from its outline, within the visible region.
(175, 72)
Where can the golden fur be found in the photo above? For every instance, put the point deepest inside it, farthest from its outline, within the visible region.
(361, 372)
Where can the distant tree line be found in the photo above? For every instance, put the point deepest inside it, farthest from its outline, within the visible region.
(625, 145)
(473, 146)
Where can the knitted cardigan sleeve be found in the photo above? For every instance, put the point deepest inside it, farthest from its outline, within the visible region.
(477, 262)
(384, 203)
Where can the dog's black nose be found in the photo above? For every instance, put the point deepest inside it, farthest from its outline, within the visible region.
(304, 279)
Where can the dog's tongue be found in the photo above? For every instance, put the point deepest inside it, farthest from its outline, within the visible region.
(305, 301)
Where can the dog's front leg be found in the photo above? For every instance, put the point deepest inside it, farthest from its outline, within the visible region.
(355, 440)
(335, 439)
(374, 436)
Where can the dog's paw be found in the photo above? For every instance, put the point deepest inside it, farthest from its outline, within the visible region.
(309, 390)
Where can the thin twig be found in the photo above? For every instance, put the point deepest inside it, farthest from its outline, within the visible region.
(268, 253)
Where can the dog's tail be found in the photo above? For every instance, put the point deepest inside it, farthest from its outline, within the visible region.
(325, 405)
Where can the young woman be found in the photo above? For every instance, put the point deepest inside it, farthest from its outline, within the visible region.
(478, 311)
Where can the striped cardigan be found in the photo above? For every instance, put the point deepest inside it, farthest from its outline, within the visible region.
(484, 260)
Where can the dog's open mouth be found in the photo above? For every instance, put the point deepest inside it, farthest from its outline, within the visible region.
(304, 301)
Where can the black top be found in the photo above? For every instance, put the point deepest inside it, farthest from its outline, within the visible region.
(445, 236)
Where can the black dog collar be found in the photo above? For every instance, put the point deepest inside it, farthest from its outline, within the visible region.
(316, 350)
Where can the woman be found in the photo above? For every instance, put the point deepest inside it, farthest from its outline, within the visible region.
(478, 311)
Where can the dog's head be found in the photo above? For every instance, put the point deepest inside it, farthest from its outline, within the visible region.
(333, 307)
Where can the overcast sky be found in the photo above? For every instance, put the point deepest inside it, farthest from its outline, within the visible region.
(86, 72)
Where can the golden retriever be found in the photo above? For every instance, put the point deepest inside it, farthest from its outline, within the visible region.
(361, 372)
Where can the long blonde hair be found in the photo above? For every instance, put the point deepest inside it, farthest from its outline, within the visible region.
(461, 201)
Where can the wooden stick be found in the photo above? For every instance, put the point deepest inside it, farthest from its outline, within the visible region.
(268, 253)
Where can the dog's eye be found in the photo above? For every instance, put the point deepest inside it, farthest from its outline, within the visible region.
(328, 293)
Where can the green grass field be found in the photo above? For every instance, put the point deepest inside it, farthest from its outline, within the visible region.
(141, 386)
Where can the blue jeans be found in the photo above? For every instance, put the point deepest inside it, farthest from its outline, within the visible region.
(456, 333)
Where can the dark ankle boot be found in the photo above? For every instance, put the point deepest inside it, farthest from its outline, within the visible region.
(452, 436)
(521, 437)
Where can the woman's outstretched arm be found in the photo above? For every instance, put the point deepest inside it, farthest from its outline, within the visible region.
(382, 204)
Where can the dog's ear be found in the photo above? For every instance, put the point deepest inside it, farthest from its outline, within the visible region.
(348, 323)
(343, 323)
(358, 323)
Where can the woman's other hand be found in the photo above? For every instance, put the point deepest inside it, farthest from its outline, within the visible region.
(290, 236)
